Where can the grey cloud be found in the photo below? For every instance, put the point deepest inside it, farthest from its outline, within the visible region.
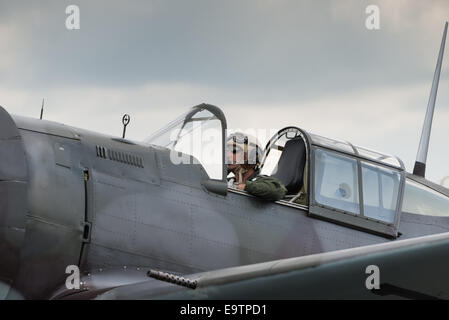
(267, 50)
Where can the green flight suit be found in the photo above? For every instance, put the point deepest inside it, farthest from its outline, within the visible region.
(265, 187)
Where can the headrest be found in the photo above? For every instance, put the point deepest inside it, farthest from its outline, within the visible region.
(290, 168)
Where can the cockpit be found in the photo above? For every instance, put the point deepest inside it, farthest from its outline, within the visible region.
(330, 179)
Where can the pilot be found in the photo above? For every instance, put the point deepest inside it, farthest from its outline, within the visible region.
(243, 159)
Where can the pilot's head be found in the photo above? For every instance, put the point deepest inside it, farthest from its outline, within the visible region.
(242, 151)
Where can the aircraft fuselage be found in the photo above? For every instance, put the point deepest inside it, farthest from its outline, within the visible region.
(101, 202)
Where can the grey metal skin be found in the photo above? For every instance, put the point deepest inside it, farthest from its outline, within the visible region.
(409, 269)
(82, 198)
(13, 196)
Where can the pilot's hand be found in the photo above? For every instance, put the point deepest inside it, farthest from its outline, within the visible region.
(241, 186)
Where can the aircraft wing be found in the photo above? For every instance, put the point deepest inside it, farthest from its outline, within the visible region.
(412, 269)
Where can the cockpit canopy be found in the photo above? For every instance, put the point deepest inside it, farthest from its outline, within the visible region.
(340, 181)
(346, 147)
(344, 183)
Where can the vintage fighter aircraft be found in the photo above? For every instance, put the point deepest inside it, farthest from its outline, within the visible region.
(123, 210)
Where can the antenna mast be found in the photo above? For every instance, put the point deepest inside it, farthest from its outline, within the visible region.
(42, 108)
(421, 157)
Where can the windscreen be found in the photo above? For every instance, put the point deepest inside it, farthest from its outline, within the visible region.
(194, 138)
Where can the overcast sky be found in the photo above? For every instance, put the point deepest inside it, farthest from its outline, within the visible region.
(266, 63)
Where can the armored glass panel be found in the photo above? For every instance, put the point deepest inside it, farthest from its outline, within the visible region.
(420, 199)
(330, 143)
(195, 137)
(336, 181)
(270, 165)
(379, 157)
(380, 192)
(270, 162)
